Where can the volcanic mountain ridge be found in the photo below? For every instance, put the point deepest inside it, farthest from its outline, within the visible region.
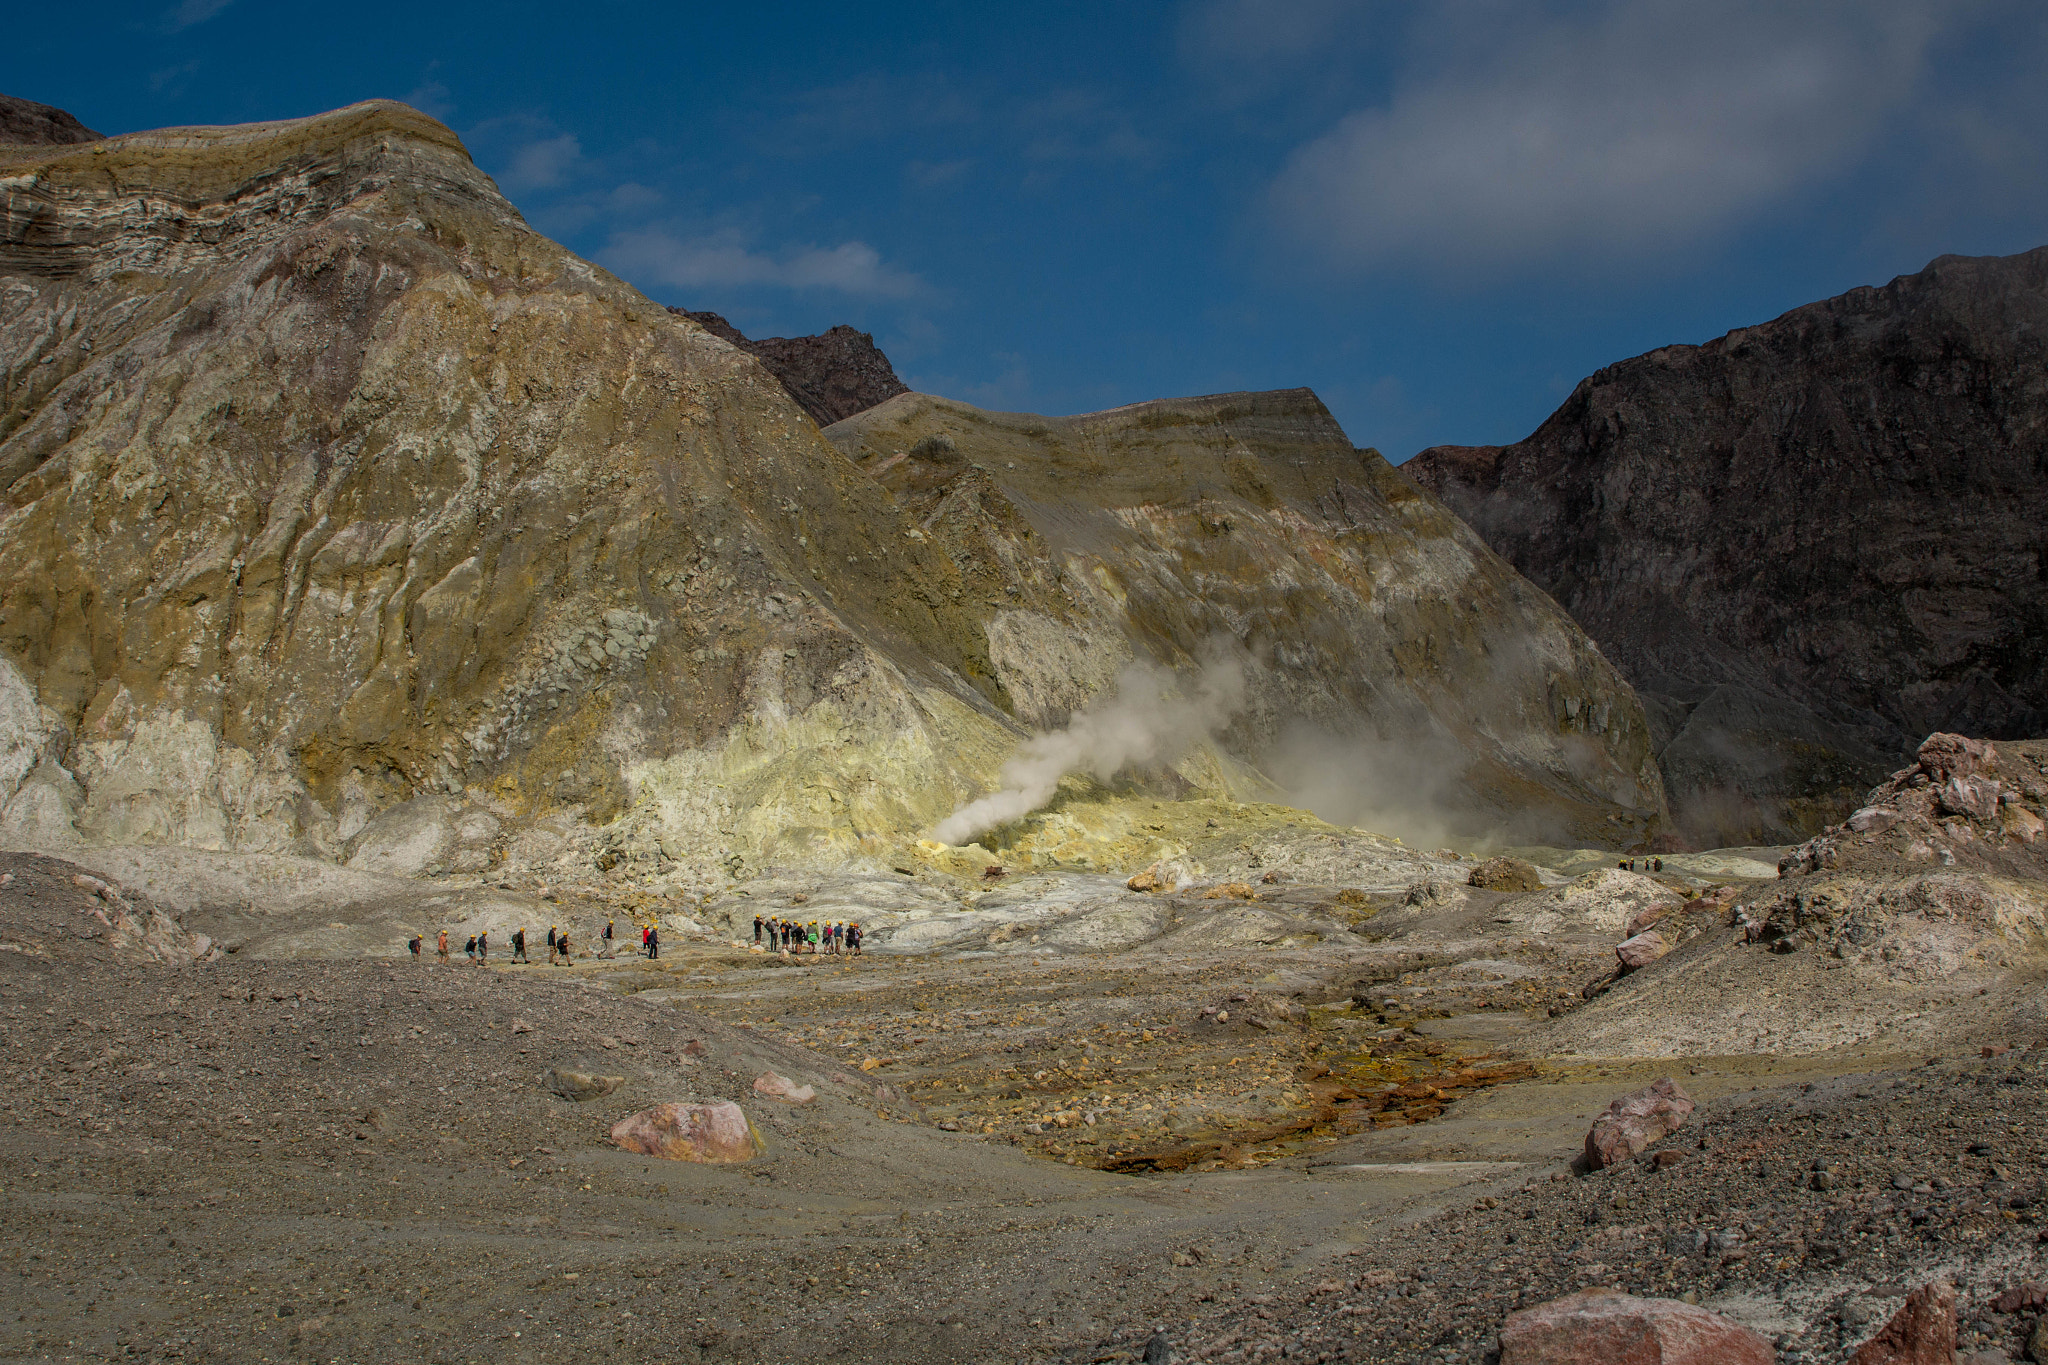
(1808, 543)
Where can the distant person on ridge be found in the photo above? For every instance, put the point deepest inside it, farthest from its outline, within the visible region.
(653, 941)
(551, 943)
(469, 948)
(607, 951)
(483, 948)
(757, 928)
(562, 942)
(443, 948)
(519, 945)
(414, 945)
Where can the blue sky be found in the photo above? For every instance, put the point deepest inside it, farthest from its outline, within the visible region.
(1439, 216)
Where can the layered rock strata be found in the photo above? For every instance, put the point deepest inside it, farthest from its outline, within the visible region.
(346, 517)
(1362, 613)
(832, 375)
(1808, 543)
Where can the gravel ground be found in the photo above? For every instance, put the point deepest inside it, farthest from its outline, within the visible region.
(361, 1160)
(1807, 1212)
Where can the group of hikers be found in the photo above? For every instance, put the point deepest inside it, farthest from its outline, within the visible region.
(788, 936)
(478, 949)
(1648, 865)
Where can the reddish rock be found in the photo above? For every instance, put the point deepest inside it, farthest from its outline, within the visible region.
(783, 1088)
(1974, 797)
(718, 1133)
(1599, 1327)
(1641, 950)
(1922, 1332)
(1946, 756)
(1636, 1120)
(2031, 1294)
(1646, 918)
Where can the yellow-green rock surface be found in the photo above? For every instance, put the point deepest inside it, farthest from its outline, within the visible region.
(346, 516)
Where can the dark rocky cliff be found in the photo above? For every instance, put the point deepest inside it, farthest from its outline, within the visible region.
(1809, 543)
(832, 375)
(40, 125)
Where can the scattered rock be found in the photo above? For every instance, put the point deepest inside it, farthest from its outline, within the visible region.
(1148, 880)
(1647, 917)
(783, 1088)
(1432, 891)
(1505, 874)
(1636, 1120)
(1230, 891)
(2031, 1294)
(582, 1085)
(718, 1133)
(1158, 1350)
(1600, 1327)
(1642, 950)
(1922, 1332)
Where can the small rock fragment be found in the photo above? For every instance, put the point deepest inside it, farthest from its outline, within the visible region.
(1600, 1327)
(783, 1088)
(1636, 1120)
(582, 1085)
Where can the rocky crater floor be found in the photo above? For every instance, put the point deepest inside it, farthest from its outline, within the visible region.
(1336, 1115)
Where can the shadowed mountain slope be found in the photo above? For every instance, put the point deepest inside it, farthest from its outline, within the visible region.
(1808, 543)
(832, 375)
(26, 123)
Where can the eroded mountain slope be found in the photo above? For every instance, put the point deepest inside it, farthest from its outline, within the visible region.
(346, 517)
(1377, 632)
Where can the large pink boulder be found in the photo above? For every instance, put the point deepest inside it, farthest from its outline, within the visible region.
(1922, 1332)
(1600, 1327)
(1636, 1120)
(718, 1132)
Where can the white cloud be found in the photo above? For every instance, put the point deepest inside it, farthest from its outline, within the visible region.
(183, 16)
(655, 256)
(542, 165)
(1009, 391)
(1249, 47)
(431, 98)
(171, 80)
(1623, 129)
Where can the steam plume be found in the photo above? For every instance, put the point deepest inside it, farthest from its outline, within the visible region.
(1144, 720)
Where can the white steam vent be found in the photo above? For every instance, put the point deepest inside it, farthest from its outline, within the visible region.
(1147, 718)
